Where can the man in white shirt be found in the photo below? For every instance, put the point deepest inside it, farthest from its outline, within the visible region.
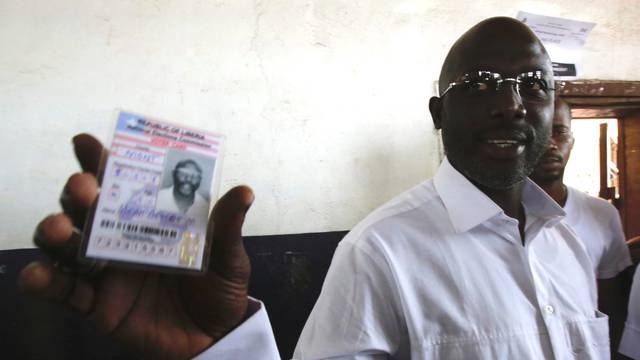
(472, 264)
(630, 343)
(595, 221)
(442, 272)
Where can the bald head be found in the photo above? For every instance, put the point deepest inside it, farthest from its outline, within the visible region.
(480, 46)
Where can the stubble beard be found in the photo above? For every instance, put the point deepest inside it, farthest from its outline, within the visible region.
(186, 190)
(474, 170)
(549, 178)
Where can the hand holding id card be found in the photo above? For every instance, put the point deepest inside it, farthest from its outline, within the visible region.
(159, 182)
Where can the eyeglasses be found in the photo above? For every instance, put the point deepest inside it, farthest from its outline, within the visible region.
(529, 85)
(184, 175)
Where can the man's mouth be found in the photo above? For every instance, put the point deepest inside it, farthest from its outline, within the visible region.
(548, 159)
(504, 143)
(504, 147)
(186, 188)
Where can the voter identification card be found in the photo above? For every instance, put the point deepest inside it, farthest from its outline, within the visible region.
(159, 183)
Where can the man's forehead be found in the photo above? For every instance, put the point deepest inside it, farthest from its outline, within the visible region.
(513, 59)
(188, 166)
(501, 45)
(562, 115)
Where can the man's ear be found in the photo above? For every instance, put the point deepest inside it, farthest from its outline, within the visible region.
(435, 108)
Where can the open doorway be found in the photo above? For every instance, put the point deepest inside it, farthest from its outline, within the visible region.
(613, 107)
(589, 169)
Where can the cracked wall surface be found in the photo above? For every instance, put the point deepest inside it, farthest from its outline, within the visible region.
(324, 102)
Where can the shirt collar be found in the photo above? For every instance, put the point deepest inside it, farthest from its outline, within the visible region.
(540, 204)
(469, 207)
(572, 208)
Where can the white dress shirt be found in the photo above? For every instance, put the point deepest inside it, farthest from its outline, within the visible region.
(597, 224)
(253, 339)
(440, 272)
(630, 342)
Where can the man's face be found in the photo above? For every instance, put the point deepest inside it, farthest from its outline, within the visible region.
(186, 179)
(551, 166)
(495, 138)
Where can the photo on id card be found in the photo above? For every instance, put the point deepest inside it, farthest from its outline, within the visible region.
(159, 182)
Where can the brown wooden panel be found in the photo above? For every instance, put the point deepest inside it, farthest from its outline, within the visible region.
(582, 101)
(601, 98)
(604, 167)
(630, 190)
(604, 112)
(599, 88)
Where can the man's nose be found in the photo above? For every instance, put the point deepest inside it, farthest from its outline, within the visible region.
(508, 103)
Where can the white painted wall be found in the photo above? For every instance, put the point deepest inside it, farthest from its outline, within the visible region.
(324, 101)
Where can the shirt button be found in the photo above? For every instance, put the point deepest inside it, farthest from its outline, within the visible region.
(549, 309)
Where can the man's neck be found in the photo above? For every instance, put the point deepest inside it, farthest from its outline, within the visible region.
(557, 190)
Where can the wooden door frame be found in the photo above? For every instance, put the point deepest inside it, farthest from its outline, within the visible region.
(592, 99)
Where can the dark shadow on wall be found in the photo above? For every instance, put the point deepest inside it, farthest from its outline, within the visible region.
(287, 275)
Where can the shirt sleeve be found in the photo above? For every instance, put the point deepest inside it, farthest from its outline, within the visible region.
(630, 342)
(616, 257)
(253, 339)
(356, 315)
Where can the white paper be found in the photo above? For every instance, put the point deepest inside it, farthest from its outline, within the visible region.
(563, 39)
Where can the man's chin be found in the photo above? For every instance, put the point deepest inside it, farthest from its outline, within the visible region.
(496, 179)
(546, 177)
(186, 191)
(501, 184)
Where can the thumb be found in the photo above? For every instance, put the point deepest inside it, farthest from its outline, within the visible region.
(217, 302)
(228, 258)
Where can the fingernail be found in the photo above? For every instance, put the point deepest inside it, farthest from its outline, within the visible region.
(246, 209)
(32, 277)
(30, 266)
(74, 139)
(250, 203)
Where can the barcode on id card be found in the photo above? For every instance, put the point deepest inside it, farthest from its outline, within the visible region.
(138, 229)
